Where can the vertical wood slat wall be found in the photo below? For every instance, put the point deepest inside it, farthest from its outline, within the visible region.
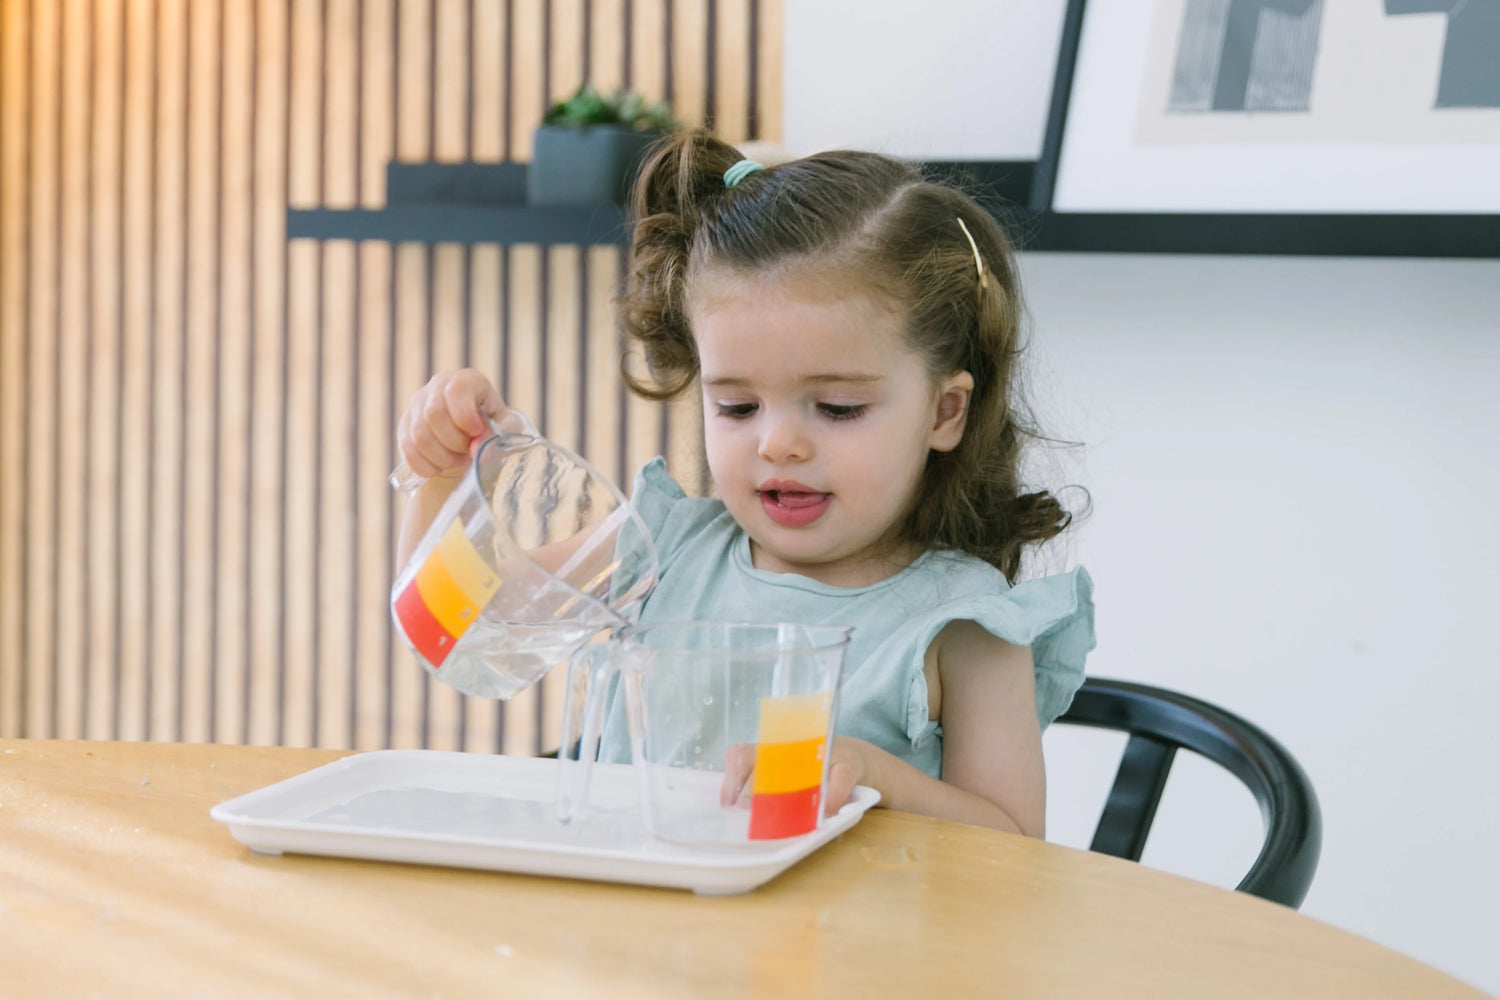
(196, 415)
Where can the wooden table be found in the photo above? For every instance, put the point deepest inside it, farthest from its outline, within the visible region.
(114, 881)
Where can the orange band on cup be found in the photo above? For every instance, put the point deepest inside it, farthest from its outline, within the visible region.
(788, 767)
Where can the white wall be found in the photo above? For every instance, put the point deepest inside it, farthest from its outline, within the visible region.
(1295, 468)
(876, 70)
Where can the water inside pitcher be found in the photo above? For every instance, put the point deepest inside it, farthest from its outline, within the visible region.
(532, 554)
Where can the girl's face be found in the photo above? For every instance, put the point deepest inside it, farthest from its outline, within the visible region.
(818, 420)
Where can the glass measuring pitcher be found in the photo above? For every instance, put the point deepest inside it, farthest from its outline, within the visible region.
(729, 723)
(533, 552)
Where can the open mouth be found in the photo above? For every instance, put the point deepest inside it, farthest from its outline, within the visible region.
(794, 508)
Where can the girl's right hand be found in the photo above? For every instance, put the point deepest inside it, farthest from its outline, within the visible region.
(444, 420)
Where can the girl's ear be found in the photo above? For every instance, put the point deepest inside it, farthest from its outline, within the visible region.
(952, 411)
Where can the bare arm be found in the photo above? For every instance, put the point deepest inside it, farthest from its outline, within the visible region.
(993, 773)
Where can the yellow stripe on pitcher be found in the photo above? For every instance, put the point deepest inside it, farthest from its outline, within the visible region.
(474, 576)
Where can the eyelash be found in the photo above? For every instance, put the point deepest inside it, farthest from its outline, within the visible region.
(848, 411)
(833, 411)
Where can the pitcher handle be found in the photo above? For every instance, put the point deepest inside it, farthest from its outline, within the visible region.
(589, 671)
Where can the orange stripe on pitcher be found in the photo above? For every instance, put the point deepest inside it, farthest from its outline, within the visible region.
(445, 596)
(447, 601)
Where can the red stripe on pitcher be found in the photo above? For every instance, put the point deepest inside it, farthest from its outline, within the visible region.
(425, 633)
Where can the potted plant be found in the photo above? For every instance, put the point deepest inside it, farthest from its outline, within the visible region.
(588, 146)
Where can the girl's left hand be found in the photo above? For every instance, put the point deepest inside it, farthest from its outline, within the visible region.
(850, 765)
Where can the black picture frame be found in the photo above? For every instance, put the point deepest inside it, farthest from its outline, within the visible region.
(1330, 234)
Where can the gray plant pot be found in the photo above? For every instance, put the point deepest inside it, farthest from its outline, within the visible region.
(591, 165)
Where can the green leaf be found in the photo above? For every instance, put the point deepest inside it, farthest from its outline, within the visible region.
(586, 106)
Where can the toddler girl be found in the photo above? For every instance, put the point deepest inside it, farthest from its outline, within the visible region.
(854, 331)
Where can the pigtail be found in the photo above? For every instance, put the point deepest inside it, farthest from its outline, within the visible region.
(681, 179)
(1018, 519)
(967, 310)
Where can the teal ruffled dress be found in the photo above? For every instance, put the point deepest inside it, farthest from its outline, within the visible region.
(706, 575)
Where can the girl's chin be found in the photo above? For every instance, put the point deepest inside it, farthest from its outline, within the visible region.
(780, 559)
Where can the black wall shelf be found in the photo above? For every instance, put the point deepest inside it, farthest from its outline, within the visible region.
(1284, 235)
(461, 223)
(460, 203)
(486, 203)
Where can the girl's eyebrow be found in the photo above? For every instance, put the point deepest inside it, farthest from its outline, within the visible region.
(733, 382)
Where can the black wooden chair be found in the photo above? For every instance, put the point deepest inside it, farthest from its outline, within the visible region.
(1159, 722)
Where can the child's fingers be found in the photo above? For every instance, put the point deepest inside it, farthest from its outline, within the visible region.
(841, 782)
(472, 402)
(430, 449)
(440, 425)
(444, 419)
(739, 763)
(406, 446)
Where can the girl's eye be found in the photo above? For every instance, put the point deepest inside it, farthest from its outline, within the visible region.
(842, 411)
(736, 411)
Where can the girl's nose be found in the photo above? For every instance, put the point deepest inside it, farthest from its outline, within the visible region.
(782, 439)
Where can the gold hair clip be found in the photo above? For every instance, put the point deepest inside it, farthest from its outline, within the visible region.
(978, 260)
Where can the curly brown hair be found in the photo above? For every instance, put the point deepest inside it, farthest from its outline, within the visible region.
(866, 214)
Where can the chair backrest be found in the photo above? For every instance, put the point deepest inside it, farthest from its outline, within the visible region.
(1159, 722)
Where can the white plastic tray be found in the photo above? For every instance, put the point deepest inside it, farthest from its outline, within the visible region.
(468, 810)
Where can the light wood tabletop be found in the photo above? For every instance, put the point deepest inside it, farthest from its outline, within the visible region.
(114, 881)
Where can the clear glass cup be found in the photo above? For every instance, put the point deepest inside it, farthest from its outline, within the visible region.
(533, 553)
(730, 726)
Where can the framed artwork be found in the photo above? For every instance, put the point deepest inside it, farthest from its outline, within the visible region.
(1290, 126)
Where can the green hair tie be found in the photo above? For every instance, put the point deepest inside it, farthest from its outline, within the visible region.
(739, 172)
